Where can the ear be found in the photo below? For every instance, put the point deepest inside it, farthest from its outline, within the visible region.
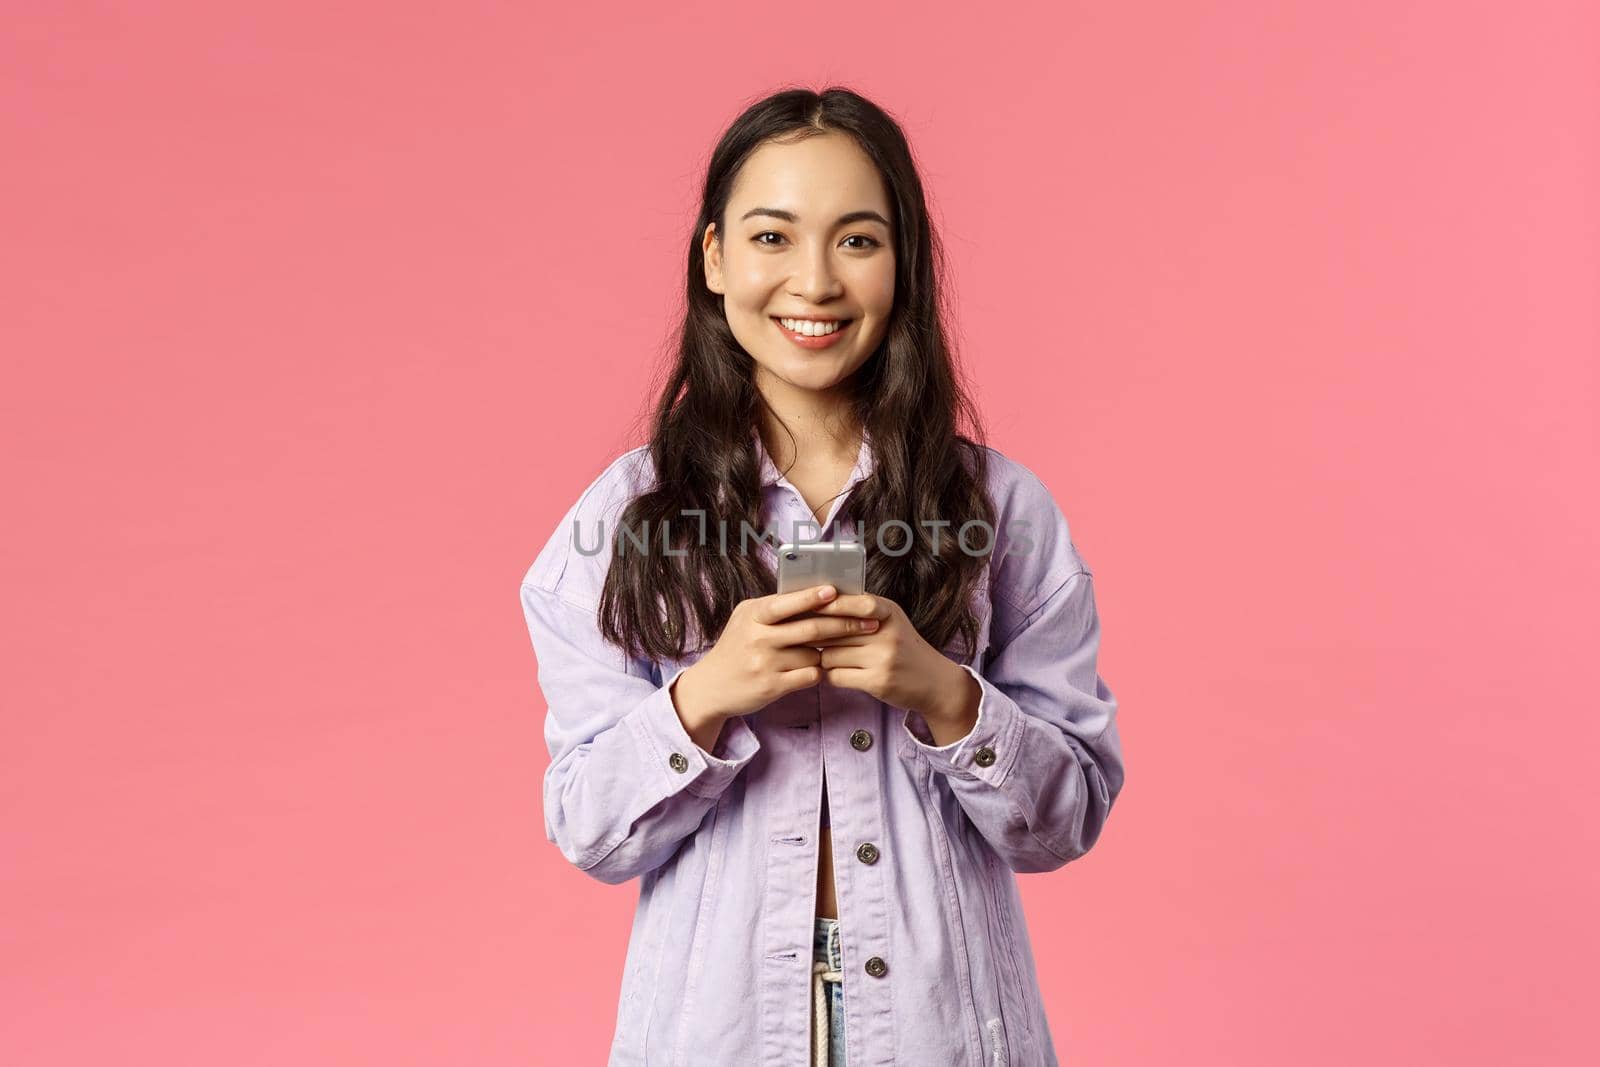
(711, 252)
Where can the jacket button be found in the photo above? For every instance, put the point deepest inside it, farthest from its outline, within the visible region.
(984, 757)
(867, 853)
(861, 740)
(679, 762)
(876, 967)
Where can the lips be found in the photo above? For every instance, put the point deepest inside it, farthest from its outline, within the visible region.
(814, 342)
(802, 318)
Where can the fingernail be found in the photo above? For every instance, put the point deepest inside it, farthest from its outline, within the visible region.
(825, 592)
(869, 624)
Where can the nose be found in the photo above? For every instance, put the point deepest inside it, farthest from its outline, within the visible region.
(814, 279)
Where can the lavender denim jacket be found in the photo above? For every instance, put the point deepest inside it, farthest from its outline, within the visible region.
(939, 969)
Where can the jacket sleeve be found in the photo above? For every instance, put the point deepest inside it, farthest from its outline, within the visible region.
(1038, 772)
(626, 783)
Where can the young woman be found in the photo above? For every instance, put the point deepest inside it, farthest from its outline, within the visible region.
(825, 797)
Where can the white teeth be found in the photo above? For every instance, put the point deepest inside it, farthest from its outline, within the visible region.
(809, 328)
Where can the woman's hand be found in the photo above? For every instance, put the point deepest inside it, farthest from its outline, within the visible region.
(761, 654)
(897, 665)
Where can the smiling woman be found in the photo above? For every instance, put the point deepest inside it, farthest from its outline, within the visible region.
(826, 797)
(812, 259)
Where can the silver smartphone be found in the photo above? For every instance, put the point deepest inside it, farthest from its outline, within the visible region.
(841, 564)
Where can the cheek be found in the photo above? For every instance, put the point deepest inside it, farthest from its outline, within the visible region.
(750, 280)
(876, 287)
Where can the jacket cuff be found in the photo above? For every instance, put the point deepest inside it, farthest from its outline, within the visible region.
(995, 739)
(668, 747)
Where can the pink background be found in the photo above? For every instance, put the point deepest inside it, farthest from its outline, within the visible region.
(315, 320)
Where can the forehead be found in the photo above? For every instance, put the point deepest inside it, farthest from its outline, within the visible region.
(818, 179)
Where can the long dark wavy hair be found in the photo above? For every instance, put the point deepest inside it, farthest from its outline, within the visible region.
(906, 395)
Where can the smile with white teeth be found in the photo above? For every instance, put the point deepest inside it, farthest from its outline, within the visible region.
(812, 328)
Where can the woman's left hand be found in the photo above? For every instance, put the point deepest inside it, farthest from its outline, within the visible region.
(894, 662)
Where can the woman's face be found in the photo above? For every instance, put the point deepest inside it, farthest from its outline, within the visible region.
(808, 236)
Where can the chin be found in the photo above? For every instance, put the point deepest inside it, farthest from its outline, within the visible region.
(814, 376)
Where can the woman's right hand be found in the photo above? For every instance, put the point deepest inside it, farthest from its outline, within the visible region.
(762, 653)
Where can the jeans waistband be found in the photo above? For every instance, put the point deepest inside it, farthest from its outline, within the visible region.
(826, 947)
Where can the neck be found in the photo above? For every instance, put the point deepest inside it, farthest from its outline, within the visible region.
(809, 426)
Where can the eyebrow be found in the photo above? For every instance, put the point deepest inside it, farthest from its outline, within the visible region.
(843, 220)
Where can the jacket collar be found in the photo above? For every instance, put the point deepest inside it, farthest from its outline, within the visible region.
(770, 475)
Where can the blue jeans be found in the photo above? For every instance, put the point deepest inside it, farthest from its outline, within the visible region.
(827, 965)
